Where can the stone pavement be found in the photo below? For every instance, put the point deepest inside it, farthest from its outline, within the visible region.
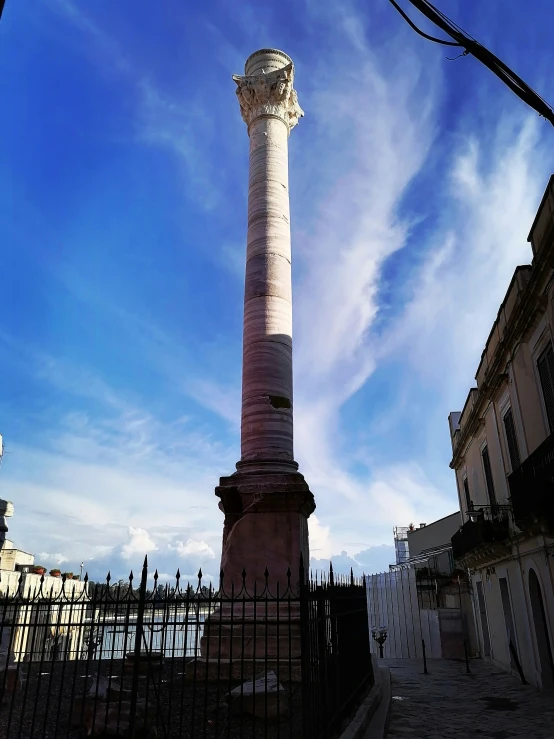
(450, 704)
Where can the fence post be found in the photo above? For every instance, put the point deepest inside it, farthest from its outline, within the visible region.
(305, 651)
(425, 672)
(466, 656)
(518, 663)
(138, 642)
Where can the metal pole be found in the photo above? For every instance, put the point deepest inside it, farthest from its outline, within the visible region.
(137, 650)
(467, 657)
(425, 672)
(518, 663)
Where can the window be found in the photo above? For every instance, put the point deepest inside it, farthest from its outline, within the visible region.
(469, 504)
(545, 366)
(511, 439)
(488, 475)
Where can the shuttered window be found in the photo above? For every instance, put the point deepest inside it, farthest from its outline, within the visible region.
(466, 493)
(488, 475)
(545, 365)
(511, 438)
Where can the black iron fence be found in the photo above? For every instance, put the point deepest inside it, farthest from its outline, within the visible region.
(336, 656)
(487, 525)
(532, 489)
(146, 660)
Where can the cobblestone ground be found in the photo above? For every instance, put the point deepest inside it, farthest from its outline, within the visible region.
(450, 704)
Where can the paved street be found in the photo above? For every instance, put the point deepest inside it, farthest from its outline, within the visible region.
(449, 704)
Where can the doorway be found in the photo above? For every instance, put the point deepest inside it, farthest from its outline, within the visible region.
(541, 630)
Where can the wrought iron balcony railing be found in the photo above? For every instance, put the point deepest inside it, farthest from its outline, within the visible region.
(532, 490)
(488, 525)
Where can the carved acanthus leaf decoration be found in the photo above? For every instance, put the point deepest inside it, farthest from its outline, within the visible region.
(269, 94)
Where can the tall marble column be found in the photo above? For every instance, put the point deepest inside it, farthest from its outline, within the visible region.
(270, 109)
(266, 501)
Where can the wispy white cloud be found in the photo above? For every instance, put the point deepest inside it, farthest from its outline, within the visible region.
(373, 134)
(177, 124)
(482, 237)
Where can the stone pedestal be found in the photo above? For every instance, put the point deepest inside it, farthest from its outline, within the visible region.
(266, 527)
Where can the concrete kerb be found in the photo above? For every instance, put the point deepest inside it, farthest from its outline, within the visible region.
(379, 722)
(359, 725)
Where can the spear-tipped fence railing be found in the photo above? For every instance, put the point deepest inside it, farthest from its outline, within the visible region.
(241, 659)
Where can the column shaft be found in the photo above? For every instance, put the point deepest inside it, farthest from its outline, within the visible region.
(267, 416)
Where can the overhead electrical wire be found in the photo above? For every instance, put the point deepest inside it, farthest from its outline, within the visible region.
(473, 47)
(418, 30)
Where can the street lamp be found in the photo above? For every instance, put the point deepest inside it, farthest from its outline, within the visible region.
(475, 514)
(380, 636)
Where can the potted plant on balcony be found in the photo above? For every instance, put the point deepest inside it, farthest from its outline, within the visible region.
(39, 570)
(55, 572)
(68, 575)
(76, 577)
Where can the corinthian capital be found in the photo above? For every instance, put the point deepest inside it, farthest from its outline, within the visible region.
(269, 94)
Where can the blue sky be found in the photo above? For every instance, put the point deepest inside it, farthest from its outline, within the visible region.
(123, 180)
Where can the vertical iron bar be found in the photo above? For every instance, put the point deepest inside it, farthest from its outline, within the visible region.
(297, 636)
(78, 624)
(266, 644)
(64, 598)
(220, 678)
(278, 655)
(243, 649)
(204, 714)
(255, 648)
(187, 604)
(424, 657)
(174, 600)
(518, 663)
(48, 602)
(466, 656)
(307, 723)
(231, 642)
(138, 641)
(35, 601)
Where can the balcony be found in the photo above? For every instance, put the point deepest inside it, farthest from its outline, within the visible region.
(484, 537)
(532, 490)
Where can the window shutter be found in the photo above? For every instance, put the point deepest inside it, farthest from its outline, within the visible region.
(511, 438)
(545, 365)
(466, 492)
(488, 475)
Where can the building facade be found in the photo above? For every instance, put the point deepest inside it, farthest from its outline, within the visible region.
(41, 616)
(503, 458)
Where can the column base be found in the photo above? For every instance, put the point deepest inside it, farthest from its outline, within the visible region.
(265, 535)
(266, 526)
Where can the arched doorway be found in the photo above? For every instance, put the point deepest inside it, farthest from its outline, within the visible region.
(541, 630)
